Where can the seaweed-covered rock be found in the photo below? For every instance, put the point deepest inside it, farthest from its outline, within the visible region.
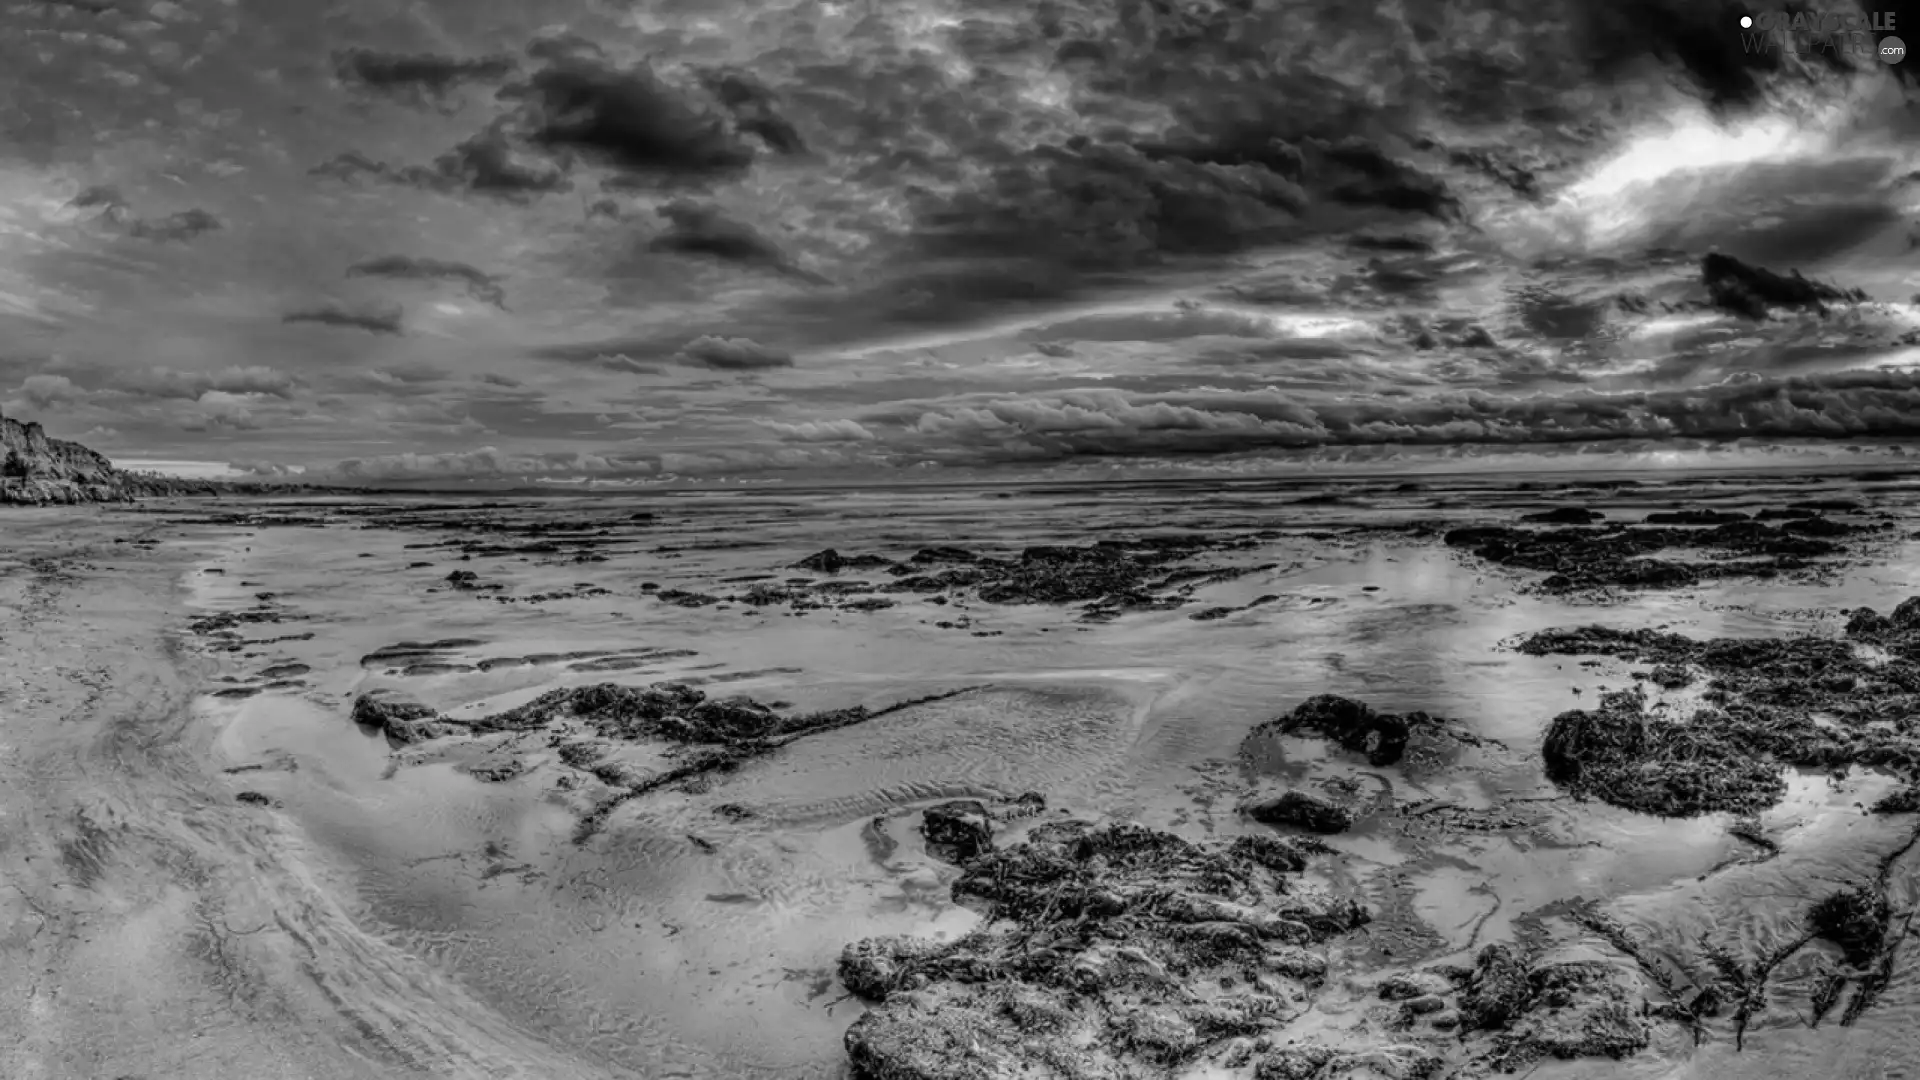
(1696, 517)
(1383, 737)
(1904, 800)
(1769, 704)
(1582, 1008)
(403, 719)
(1855, 920)
(1620, 556)
(1670, 676)
(613, 711)
(1408, 986)
(1303, 811)
(943, 554)
(1095, 941)
(1497, 992)
(874, 968)
(1631, 759)
(1564, 515)
(1386, 1063)
(958, 830)
(727, 720)
(1294, 1063)
(832, 562)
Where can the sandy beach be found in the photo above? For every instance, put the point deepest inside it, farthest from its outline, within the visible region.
(515, 864)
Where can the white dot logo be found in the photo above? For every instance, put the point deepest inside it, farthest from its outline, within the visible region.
(1746, 22)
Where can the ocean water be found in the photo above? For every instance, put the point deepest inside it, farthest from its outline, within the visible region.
(696, 934)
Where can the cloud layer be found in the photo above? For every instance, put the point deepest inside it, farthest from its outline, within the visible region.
(480, 239)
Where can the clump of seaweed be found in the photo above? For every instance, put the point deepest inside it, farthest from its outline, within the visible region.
(1722, 543)
(1630, 759)
(1854, 919)
(1768, 704)
(1098, 939)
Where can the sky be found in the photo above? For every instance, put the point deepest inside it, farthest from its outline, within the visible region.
(467, 238)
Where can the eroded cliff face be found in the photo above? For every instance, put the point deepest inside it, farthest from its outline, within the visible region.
(37, 470)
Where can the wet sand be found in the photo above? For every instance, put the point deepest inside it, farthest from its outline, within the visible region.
(188, 797)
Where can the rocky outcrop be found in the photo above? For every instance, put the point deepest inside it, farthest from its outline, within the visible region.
(36, 470)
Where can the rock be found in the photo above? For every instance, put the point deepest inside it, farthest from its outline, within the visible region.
(730, 719)
(404, 720)
(1671, 676)
(498, 770)
(1906, 615)
(1696, 517)
(1026, 804)
(1904, 800)
(37, 470)
(1094, 937)
(1414, 984)
(958, 831)
(874, 968)
(943, 555)
(1855, 920)
(463, 579)
(1382, 737)
(1621, 557)
(1387, 1063)
(1296, 963)
(1565, 515)
(1497, 992)
(832, 562)
(253, 798)
(1632, 759)
(1582, 1008)
(1820, 526)
(1303, 811)
(1294, 1063)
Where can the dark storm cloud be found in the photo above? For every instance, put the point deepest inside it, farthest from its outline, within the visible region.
(480, 285)
(627, 118)
(1114, 423)
(627, 365)
(491, 163)
(373, 319)
(557, 47)
(100, 196)
(756, 110)
(419, 74)
(1099, 206)
(353, 164)
(731, 354)
(696, 229)
(1698, 38)
(488, 163)
(184, 225)
(578, 106)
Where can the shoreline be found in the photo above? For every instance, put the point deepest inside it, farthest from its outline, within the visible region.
(158, 929)
(423, 900)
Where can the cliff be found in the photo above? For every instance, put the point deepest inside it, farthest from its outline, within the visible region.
(36, 470)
